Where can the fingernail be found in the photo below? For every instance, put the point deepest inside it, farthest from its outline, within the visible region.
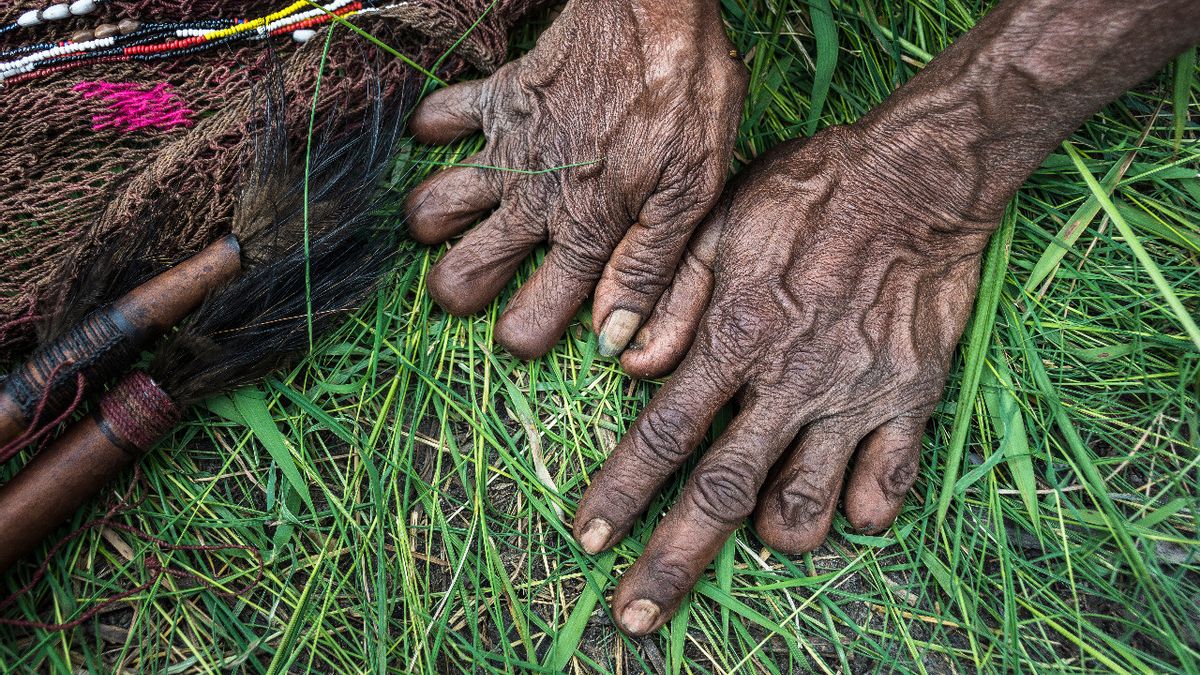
(595, 535)
(617, 331)
(640, 616)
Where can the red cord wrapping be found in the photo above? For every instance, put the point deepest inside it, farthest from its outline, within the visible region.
(29, 317)
(139, 411)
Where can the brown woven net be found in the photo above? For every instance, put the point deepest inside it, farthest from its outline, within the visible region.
(65, 185)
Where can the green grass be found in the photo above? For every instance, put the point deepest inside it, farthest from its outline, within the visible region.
(407, 484)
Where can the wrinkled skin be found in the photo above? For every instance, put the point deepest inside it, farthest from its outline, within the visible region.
(647, 96)
(841, 271)
(839, 295)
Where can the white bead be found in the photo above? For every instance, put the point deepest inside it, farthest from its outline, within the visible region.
(303, 35)
(81, 7)
(56, 12)
(29, 18)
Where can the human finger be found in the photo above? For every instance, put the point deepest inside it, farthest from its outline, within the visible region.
(797, 508)
(720, 494)
(664, 435)
(644, 262)
(885, 469)
(444, 204)
(476, 269)
(538, 315)
(665, 337)
(449, 114)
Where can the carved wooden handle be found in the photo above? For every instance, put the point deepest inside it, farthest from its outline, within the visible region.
(110, 338)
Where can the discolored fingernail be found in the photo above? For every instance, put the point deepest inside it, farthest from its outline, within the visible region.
(639, 616)
(595, 535)
(617, 331)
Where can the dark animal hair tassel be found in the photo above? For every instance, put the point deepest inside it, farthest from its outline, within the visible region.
(83, 350)
(258, 322)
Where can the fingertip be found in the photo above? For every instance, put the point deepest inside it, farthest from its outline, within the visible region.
(795, 512)
(447, 202)
(522, 339)
(640, 617)
(450, 290)
(432, 128)
(653, 354)
(872, 522)
(868, 509)
(617, 330)
(538, 315)
(594, 535)
(791, 539)
(421, 216)
(447, 115)
(649, 592)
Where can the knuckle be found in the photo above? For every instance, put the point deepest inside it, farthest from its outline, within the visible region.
(617, 498)
(582, 259)
(662, 438)
(858, 365)
(641, 272)
(804, 499)
(670, 573)
(689, 188)
(734, 328)
(725, 493)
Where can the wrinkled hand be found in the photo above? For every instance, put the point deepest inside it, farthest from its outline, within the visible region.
(842, 271)
(640, 101)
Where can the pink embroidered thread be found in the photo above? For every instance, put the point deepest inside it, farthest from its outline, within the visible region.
(132, 107)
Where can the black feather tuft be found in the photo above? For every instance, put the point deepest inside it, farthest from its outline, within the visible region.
(261, 321)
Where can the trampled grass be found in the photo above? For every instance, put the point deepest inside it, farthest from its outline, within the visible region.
(407, 484)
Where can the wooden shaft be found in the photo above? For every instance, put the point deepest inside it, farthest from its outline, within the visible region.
(160, 303)
(54, 485)
(131, 417)
(109, 339)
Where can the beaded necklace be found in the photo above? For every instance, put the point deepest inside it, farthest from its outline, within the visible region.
(131, 40)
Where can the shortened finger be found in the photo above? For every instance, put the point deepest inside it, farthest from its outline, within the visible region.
(538, 315)
(474, 271)
(449, 114)
(884, 471)
(661, 439)
(644, 263)
(450, 200)
(720, 494)
(797, 509)
(665, 337)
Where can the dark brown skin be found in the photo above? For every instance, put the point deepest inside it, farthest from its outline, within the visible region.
(648, 95)
(842, 270)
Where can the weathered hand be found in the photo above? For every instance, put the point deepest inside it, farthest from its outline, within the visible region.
(841, 281)
(842, 271)
(640, 101)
